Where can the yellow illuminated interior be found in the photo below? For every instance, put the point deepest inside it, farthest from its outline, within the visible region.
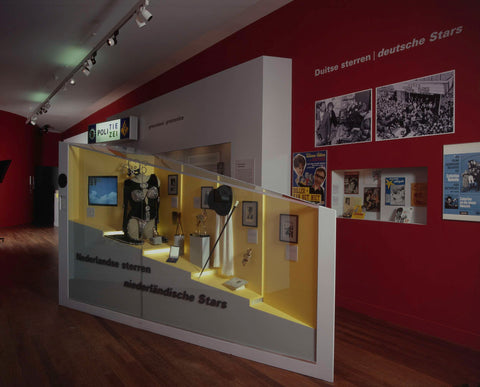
(276, 285)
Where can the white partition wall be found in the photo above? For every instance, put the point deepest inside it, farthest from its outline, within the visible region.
(248, 106)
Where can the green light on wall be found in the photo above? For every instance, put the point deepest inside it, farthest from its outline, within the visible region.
(71, 56)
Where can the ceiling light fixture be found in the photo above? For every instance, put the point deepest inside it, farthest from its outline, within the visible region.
(138, 11)
(86, 68)
(143, 15)
(112, 41)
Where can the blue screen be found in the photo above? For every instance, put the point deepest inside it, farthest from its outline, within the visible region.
(102, 190)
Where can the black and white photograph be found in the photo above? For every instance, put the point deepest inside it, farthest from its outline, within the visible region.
(173, 184)
(346, 119)
(289, 228)
(351, 182)
(205, 192)
(415, 108)
(249, 214)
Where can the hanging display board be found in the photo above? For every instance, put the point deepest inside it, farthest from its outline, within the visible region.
(461, 182)
(114, 130)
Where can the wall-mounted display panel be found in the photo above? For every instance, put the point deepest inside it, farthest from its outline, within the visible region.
(461, 182)
(391, 195)
(251, 279)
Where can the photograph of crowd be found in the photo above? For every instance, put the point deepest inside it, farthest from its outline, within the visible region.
(344, 120)
(419, 107)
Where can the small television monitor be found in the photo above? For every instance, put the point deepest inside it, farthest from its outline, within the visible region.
(102, 191)
(4, 164)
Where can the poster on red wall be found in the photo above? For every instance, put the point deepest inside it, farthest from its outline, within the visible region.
(461, 182)
(309, 175)
(344, 120)
(415, 108)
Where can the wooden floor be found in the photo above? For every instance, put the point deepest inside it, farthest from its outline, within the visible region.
(43, 344)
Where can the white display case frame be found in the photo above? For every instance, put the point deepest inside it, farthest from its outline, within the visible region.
(323, 365)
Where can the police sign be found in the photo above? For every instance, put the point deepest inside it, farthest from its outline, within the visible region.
(115, 130)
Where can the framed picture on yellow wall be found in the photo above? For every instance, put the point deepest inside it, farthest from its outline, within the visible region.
(205, 193)
(289, 228)
(173, 184)
(250, 214)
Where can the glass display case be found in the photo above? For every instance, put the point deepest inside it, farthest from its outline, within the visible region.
(197, 256)
(391, 194)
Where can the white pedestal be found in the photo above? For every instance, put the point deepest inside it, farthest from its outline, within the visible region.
(199, 249)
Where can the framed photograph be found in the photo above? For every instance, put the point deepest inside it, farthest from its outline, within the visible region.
(250, 214)
(423, 107)
(350, 183)
(289, 228)
(344, 119)
(205, 192)
(173, 184)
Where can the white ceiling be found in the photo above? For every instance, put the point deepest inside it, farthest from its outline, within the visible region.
(43, 41)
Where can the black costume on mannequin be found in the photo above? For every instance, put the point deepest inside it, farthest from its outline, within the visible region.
(141, 205)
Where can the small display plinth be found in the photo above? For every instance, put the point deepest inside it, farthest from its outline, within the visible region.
(199, 249)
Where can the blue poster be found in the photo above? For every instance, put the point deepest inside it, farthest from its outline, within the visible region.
(309, 174)
(461, 185)
(394, 191)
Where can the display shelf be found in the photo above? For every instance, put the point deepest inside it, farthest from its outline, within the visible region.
(390, 195)
(284, 314)
(210, 278)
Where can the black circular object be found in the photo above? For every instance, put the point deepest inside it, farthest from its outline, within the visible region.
(62, 180)
(220, 200)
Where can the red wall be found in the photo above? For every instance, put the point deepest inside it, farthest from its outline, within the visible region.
(18, 144)
(27, 148)
(422, 277)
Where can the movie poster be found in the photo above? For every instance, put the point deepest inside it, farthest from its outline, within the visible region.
(345, 119)
(394, 191)
(461, 182)
(309, 175)
(418, 107)
(371, 199)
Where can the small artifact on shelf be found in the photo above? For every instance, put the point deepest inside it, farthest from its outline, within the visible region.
(201, 229)
(174, 254)
(235, 283)
(247, 256)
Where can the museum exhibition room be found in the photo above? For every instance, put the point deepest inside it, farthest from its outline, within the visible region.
(241, 192)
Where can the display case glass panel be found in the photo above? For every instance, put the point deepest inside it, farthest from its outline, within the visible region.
(254, 285)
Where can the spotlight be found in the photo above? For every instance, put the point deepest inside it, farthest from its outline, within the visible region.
(143, 15)
(33, 120)
(146, 15)
(87, 66)
(112, 41)
(72, 81)
(92, 59)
